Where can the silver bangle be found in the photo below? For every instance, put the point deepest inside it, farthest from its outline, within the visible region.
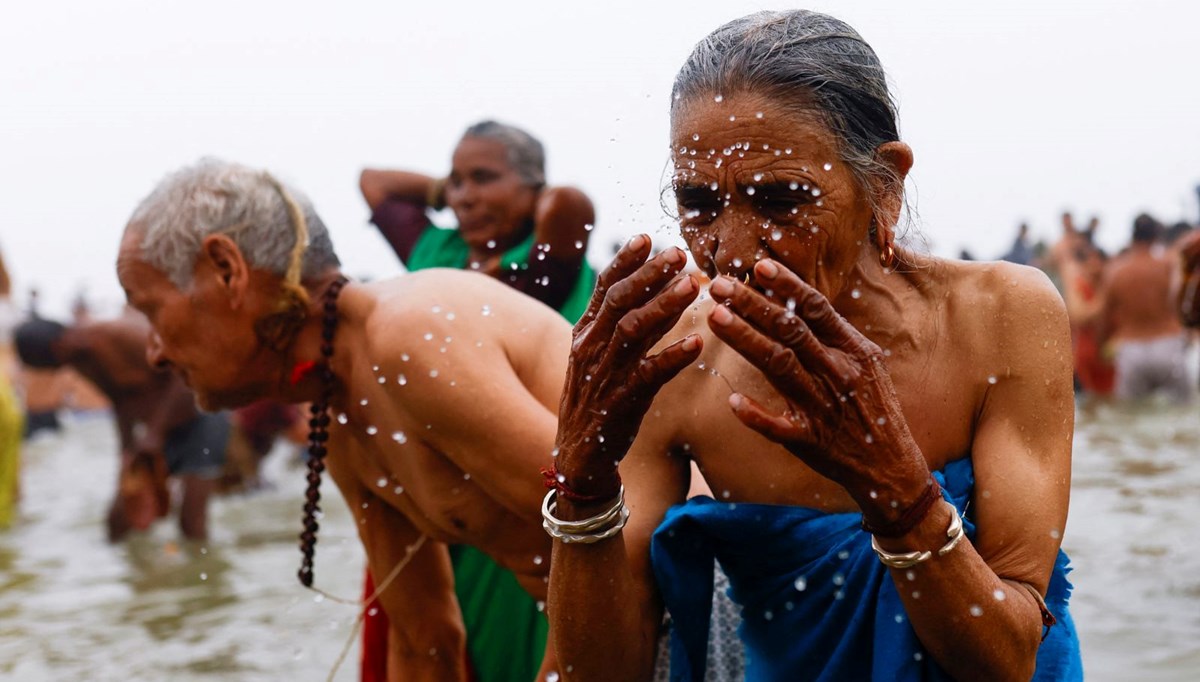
(954, 532)
(586, 531)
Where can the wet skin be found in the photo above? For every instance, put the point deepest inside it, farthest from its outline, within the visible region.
(474, 436)
(826, 381)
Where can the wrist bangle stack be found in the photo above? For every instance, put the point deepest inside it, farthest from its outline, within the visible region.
(585, 531)
(909, 559)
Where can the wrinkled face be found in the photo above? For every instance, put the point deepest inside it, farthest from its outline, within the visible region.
(754, 180)
(197, 334)
(489, 198)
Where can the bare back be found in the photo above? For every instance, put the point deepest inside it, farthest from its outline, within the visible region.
(451, 411)
(1138, 297)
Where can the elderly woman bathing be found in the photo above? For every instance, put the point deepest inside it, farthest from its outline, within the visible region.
(887, 434)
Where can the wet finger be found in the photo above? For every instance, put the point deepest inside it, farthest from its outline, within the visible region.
(775, 320)
(629, 258)
(781, 428)
(779, 363)
(649, 322)
(639, 287)
(810, 304)
(658, 369)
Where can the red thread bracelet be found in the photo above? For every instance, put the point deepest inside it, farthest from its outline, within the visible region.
(911, 516)
(557, 482)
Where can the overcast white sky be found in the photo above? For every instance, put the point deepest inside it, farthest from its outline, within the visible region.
(1015, 110)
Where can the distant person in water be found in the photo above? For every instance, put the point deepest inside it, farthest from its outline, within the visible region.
(1187, 248)
(1020, 252)
(160, 432)
(1083, 276)
(1140, 316)
(11, 420)
(511, 224)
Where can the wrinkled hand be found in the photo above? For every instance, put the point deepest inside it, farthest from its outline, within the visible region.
(611, 379)
(843, 418)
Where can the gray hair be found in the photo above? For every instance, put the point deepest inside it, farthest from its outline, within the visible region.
(526, 154)
(219, 197)
(807, 62)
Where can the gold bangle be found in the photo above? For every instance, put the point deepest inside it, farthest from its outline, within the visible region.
(954, 532)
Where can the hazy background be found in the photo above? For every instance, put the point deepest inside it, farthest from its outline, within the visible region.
(1015, 111)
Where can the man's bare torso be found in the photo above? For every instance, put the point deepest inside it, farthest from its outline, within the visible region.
(397, 432)
(1139, 303)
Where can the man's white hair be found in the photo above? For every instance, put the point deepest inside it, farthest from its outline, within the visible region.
(218, 197)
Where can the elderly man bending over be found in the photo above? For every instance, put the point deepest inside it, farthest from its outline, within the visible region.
(432, 403)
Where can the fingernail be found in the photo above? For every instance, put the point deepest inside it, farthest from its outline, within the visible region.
(735, 400)
(721, 286)
(767, 269)
(691, 343)
(721, 315)
(674, 255)
(685, 286)
(637, 242)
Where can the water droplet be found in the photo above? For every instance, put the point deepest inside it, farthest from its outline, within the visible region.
(828, 166)
(204, 576)
(342, 418)
(398, 489)
(319, 598)
(918, 656)
(382, 482)
(844, 554)
(541, 606)
(758, 177)
(399, 437)
(404, 357)
(992, 380)
(428, 336)
(1055, 534)
(363, 402)
(976, 610)
(578, 244)
(725, 494)
(382, 380)
(372, 430)
(732, 117)
(750, 191)
(789, 151)
(776, 235)
(768, 615)
(491, 243)
(856, 294)
(839, 579)
(816, 192)
(486, 311)
(801, 584)
(402, 380)
(758, 114)
(719, 98)
(537, 560)
(433, 373)
(695, 136)
(450, 316)
(999, 595)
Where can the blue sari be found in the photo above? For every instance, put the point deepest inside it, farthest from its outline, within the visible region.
(816, 602)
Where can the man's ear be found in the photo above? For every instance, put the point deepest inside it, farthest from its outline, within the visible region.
(222, 265)
(897, 157)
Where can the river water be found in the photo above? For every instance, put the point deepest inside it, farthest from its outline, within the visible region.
(73, 607)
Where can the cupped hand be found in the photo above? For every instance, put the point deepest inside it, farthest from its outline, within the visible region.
(842, 416)
(612, 377)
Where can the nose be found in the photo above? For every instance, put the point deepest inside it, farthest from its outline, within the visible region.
(735, 248)
(154, 352)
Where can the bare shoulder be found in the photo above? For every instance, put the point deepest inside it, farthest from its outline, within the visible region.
(1004, 298)
(446, 305)
(1009, 314)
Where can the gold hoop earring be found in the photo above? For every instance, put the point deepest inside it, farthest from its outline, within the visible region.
(887, 257)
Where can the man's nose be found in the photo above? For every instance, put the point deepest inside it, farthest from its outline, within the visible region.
(154, 352)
